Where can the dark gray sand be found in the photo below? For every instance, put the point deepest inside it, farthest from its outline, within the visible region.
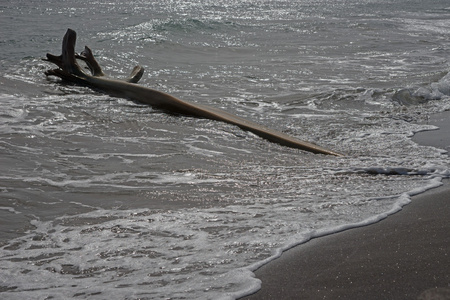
(399, 257)
(438, 138)
(405, 256)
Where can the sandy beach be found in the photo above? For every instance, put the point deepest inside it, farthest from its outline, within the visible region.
(405, 256)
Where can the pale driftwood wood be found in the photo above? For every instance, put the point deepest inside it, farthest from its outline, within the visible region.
(70, 70)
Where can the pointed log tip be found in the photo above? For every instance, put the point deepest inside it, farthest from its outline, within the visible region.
(71, 32)
(88, 57)
(136, 74)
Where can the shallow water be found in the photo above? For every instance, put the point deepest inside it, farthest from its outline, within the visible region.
(101, 196)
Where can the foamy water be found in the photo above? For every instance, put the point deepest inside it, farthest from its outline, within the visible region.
(101, 197)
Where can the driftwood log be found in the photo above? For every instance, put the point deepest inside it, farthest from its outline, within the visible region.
(70, 70)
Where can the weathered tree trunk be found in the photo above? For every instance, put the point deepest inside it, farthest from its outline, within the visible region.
(70, 70)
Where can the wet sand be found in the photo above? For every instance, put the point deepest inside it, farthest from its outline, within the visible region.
(405, 256)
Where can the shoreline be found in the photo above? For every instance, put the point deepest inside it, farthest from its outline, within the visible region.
(403, 256)
(399, 257)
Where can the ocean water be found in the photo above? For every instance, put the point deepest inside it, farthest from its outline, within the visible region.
(105, 198)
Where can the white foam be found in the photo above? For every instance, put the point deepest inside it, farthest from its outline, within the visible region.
(135, 249)
(10, 209)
